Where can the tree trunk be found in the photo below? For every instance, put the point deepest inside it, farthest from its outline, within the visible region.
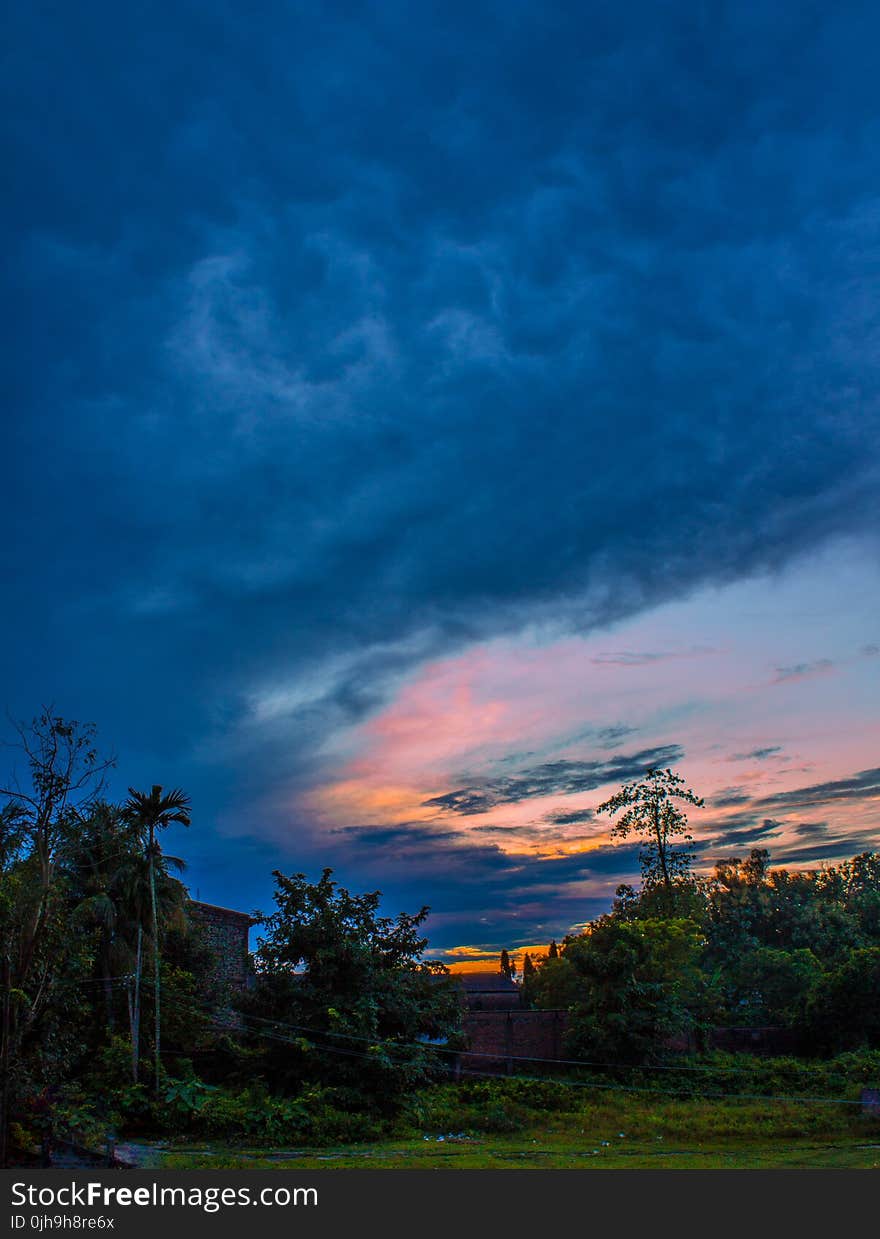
(661, 850)
(156, 984)
(107, 984)
(135, 1009)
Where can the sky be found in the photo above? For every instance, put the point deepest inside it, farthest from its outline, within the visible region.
(422, 419)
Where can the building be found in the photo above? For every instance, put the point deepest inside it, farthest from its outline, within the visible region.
(489, 991)
(225, 934)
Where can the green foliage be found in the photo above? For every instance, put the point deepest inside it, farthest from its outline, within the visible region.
(490, 1106)
(770, 987)
(634, 980)
(342, 995)
(318, 1116)
(751, 946)
(108, 1075)
(843, 1013)
(339, 1034)
(186, 1097)
(556, 985)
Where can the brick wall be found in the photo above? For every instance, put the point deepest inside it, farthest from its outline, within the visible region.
(225, 933)
(497, 1038)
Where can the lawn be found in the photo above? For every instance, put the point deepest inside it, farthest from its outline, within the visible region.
(509, 1129)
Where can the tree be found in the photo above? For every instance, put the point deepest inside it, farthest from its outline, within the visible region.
(507, 969)
(150, 812)
(650, 813)
(843, 1012)
(752, 906)
(105, 846)
(110, 885)
(553, 953)
(634, 987)
(366, 1005)
(529, 972)
(64, 780)
(769, 986)
(555, 985)
(44, 807)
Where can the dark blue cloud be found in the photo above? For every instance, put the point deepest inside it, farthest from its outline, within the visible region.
(863, 785)
(475, 883)
(729, 796)
(563, 817)
(553, 778)
(760, 754)
(768, 829)
(841, 848)
(800, 671)
(341, 339)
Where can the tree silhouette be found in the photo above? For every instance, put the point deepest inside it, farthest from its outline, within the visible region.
(650, 813)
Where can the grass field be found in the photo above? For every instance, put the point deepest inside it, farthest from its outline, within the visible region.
(507, 1130)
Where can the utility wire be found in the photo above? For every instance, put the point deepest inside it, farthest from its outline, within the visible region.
(612, 1087)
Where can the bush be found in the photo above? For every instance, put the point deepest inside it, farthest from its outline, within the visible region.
(316, 1117)
(495, 1106)
(743, 1075)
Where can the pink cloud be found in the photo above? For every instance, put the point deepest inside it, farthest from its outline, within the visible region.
(509, 705)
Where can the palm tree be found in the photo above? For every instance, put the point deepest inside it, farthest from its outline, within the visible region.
(131, 887)
(151, 812)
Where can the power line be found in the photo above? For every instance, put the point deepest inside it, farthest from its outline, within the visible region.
(566, 1083)
(518, 1058)
(249, 1020)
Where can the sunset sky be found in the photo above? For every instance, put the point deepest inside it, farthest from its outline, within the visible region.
(423, 418)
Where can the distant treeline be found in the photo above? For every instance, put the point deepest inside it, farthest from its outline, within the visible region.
(750, 946)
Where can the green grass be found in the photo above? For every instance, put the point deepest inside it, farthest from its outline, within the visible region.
(503, 1126)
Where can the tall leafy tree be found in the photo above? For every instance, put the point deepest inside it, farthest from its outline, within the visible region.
(111, 889)
(633, 983)
(843, 1011)
(151, 812)
(55, 776)
(105, 848)
(528, 979)
(367, 1004)
(648, 810)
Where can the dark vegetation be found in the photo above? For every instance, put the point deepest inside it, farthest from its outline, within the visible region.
(749, 946)
(110, 1018)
